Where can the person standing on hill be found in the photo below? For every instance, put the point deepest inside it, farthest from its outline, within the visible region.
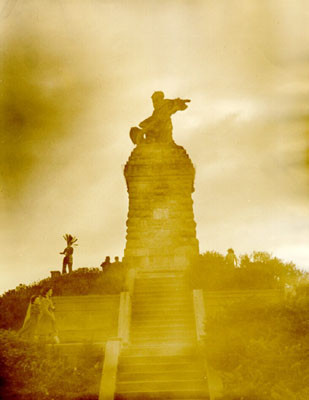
(29, 328)
(117, 263)
(231, 259)
(106, 263)
(47, 329)
(68, 252)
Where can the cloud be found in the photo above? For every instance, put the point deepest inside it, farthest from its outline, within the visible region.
(44, 91)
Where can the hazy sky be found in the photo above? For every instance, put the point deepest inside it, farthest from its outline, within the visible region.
(76, 75)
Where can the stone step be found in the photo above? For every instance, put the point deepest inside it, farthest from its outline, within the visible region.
(161, 306)
(157, 319)
(154, 309)
(164, 341)
(157, 291)
(152, 360)
(161, 297)
(164, 337)
(161, 285)
(156, 277)
(161, 324)
(148, 313)
(83, 336)
(164, 395)
(155, 299)
(154, 329)
(171, 338)
(162, 375)
(173, 288)
(164, 385)
(151, 350)
(163, 309)
(162, 329)
(170, 304)
(160, 319)
(140, 288)
(162, 334)
(151, 275)
(151, 365)
(159, 300)
(173, 314)
(161, 282)
(177, 294)
(162, 292)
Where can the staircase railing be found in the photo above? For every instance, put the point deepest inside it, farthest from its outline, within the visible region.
(113, 346)
(199, 313)
(109, 373)
(214, 380)
(124, 318)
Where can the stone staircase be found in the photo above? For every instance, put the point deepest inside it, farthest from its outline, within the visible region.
(161, 361)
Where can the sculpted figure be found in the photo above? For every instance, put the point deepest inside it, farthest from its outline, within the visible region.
(29, 328)
(47, 327)
(68, 253)
(158, 127)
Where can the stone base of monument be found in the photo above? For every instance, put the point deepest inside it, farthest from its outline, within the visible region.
(161, 232)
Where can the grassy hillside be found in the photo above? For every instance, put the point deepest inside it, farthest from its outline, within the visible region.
(14, 303)
(261, 352)
(30, 371)
(258, 270)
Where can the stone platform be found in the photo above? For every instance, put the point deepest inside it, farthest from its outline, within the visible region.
(86, 319)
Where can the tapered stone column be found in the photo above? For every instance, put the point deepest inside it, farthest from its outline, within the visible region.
(161, 231)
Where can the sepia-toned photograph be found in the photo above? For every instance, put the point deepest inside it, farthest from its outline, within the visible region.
(154, 200)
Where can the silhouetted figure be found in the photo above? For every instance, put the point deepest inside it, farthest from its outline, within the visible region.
(68, 252)
(29, 328)
(106, 263)
(231, 259)
(158, 128)
(47, 329)
(116, 263)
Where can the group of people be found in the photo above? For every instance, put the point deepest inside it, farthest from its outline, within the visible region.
(107, 263)
(40, 321)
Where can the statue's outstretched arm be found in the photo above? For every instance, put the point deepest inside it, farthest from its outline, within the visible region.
(181, 103)
(177, 105)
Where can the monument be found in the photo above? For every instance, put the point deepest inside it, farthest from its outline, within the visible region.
(161, 231)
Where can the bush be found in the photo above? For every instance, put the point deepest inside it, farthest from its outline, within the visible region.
(261, 352)
(258, 271)
(40, 372)
(85, 281)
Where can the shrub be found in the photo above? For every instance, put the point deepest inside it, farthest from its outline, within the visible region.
(258, 271)
(261, 352)
(40, 372)
(85, 281)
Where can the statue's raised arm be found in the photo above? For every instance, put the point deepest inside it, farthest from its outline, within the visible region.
(158, 127)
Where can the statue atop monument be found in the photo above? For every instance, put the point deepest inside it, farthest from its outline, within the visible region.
(158, 127)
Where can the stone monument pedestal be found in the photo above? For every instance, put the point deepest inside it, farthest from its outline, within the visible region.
(161, 231)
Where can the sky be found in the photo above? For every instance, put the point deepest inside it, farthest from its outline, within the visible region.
(77, 75)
